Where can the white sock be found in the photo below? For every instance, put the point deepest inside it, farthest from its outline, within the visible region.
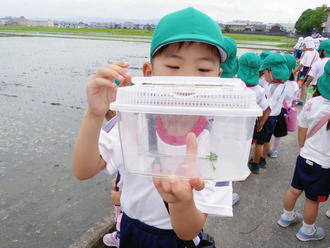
(288, 214)
(308, 228)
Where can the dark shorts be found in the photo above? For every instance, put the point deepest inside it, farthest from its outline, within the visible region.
(303, 73)
(280, 127)
(266, 132)
(312, 178)
(136, 234)
(299, 54)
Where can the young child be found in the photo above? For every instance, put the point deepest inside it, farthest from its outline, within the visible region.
(193, 48)
(264, 54)
(262, 81)
(311, 56)
(275, 70)
(292, 91)
(249, 64)
(230, 66)
(318, 67)
(312, 170)
(112, 239)
(229, 70)
(298, 48)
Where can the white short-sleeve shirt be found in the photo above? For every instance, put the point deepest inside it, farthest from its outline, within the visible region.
(298, 46)
(316, 148)
(292, 91)
(263, 83)
(318, 69)
(308, 58)
(276, 94)
(262, 101)
(140, 199)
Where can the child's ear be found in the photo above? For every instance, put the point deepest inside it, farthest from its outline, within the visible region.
(147, 69)
(220, 72)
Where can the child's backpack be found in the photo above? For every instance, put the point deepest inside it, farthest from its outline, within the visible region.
(290, 117)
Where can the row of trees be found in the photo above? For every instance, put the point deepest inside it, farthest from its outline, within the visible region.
(310, 19)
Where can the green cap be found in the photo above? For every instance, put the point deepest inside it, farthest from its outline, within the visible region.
(277, 63)
(291, 62)
(230, 66)
(249, 64)
(323, 84)
(264, 54)
(326, 46)
(188, 25)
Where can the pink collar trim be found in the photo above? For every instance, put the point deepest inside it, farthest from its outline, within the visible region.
(179, 140)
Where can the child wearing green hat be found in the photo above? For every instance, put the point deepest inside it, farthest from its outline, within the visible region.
(249, 65)
(230, 66)
(318, 67)
(185, 43)
(276, 72)
(312, 171)
(292, 92)
(262, 80)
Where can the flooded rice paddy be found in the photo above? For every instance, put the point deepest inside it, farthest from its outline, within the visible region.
(43, 99)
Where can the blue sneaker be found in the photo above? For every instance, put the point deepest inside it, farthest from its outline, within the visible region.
(235, 199)
(272, 154)
(317, 234)
(285, 222)
(299, 102)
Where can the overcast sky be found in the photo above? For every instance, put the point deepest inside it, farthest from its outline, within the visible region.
(221, 10)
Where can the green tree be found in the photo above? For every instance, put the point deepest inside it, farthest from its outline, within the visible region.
(310, 19)
(227, 28)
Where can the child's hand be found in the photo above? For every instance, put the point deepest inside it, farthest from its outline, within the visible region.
(115, 197)
(172, 189)
(102, 90)
(113, 183)
(259, 126)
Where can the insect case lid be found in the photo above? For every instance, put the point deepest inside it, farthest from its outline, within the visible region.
(187, 96)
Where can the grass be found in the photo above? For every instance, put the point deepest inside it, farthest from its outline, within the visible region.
(259, 37)
(81, 31)
(99, 32)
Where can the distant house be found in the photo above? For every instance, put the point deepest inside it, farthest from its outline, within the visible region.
(112, 25)
(237, 25)
(275, 27)
(128, 25)
(2, 22)
(260, 27)
(246, 25)
(288, 27)
(138, 26)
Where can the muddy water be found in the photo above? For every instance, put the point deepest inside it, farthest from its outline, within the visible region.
(43, 99)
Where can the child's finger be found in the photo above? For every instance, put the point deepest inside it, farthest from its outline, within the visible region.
(122, 64)
(192, 149)
(113, 183)
(179, 188)
(197, 183)
(112, 73)
(126, 82)
(97, 82)
(120, 70)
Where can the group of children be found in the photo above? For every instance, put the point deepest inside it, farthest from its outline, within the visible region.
(311, 57)
(168, 212)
